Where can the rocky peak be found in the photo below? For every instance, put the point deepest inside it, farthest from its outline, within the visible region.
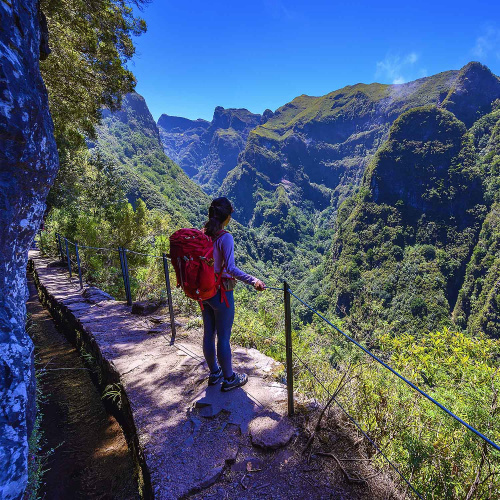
(266, 115)
(220, 118)
(235, 118)
(207, 150)
(179, 125)
(473, 92)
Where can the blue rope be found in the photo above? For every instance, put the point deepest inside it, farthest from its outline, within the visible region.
(97, 248)
(412, 385)
(144, 254)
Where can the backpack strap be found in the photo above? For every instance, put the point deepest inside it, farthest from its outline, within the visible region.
(222, 232)
(218, 283)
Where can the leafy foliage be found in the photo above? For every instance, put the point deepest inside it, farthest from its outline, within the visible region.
(91, 43)
(461, 372)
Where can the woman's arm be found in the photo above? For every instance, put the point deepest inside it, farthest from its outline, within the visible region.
(227, 247)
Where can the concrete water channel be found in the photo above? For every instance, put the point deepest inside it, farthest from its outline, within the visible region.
(86, 452)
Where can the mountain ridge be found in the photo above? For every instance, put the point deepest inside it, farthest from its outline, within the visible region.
(207, 150)
(329, 140)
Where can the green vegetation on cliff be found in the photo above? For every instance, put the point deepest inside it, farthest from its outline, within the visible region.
(403, 243)
(130, 140)
(321, 145)
(478, 304)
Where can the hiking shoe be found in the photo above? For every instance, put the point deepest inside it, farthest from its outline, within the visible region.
(214, 378)
(237, 380)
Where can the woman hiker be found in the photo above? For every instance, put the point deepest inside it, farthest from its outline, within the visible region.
(217, 316)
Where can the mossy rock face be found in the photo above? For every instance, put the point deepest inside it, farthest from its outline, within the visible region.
(478, 304)
(429, 166)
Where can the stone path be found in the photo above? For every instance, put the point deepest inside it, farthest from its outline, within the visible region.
(167, 388)
(196, 441)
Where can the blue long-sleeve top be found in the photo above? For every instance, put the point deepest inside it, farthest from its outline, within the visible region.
(224, 255)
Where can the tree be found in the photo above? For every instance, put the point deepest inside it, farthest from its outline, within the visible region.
(86, 71)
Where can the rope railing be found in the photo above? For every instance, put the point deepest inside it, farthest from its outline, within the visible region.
(145, 254)
(411, 384)
(357, 425)
(63, 250)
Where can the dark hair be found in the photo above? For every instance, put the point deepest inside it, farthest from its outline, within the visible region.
(218, 212)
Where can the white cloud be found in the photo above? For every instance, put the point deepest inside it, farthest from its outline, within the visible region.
(394, 66)
(487, 43)
(411, 58)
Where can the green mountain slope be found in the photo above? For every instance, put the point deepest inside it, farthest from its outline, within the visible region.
(130, 139)
(478, 304)
(403, 243)
(317, 148)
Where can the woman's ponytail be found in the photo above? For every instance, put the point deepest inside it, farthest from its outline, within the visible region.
(219, 211)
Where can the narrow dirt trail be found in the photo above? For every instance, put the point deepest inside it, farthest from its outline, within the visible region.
(91, 458)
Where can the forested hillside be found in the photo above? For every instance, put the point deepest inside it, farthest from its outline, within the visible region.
(402, 245)
(415, 166)
(478, 304)
(129, 139)
(403, 242)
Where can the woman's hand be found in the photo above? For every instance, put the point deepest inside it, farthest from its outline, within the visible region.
(259, 285)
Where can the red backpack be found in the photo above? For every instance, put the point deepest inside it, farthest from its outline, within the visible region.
(192, 255)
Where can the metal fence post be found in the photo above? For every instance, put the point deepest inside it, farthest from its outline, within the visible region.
(169, 295)
(40, 244)
(125, 262)
(67, 257)
(59, 246)
(123, 270)
(288, 339)
(79, 266)
(126, 278)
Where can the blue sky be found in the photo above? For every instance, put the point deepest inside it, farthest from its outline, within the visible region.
(197, 55)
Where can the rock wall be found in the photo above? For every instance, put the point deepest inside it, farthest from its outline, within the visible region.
(29, 162)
